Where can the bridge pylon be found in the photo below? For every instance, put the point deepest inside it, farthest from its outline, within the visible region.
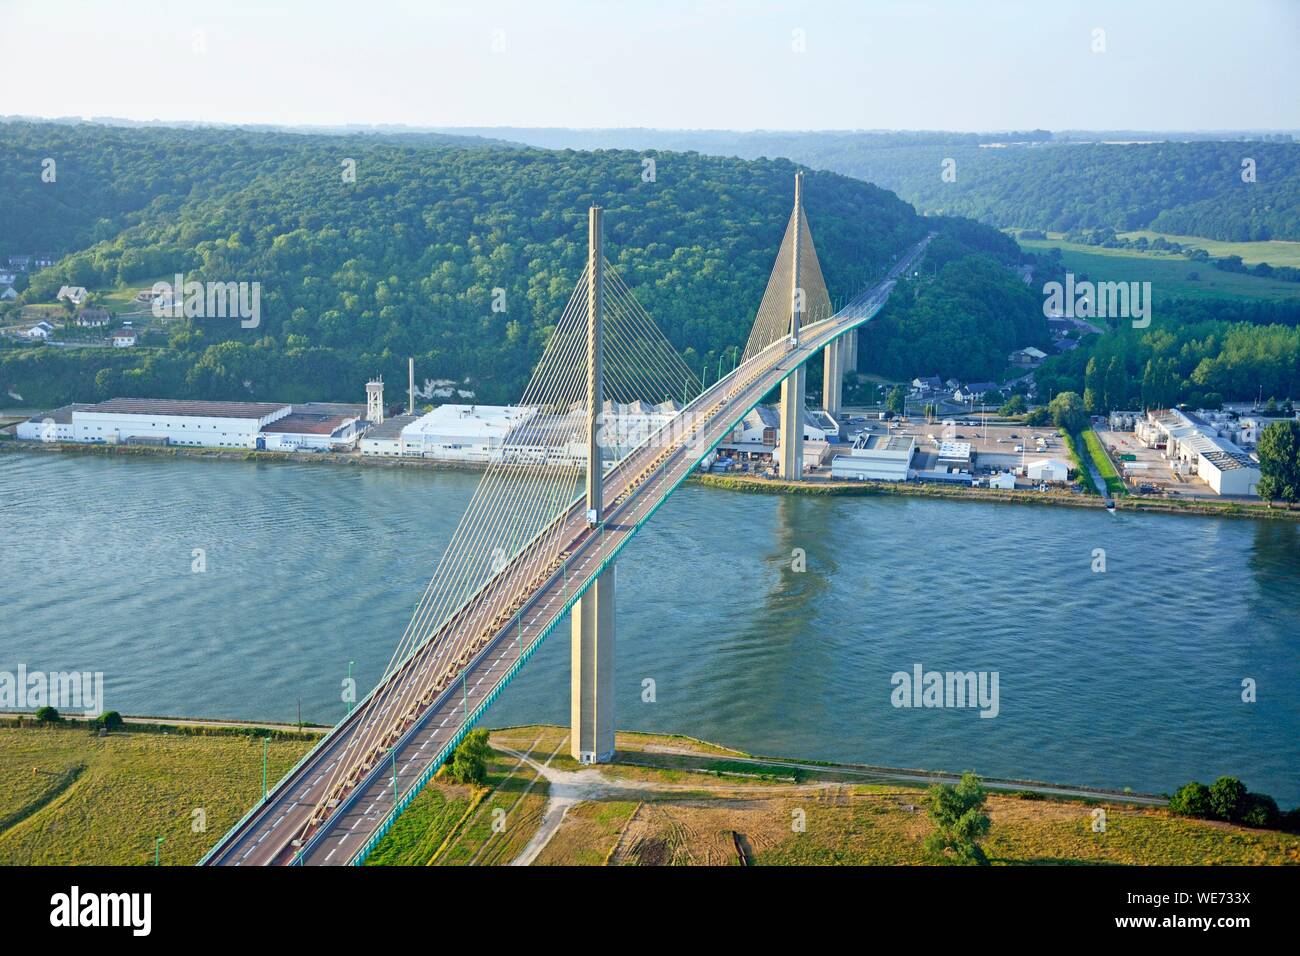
(794, 388)
(591, 681)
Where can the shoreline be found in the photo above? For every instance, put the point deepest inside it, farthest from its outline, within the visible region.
(663, 744)
(830, 488)
(742, 483)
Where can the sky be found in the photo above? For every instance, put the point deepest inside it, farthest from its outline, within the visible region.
(819, 64)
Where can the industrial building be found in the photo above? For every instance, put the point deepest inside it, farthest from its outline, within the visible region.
(876, 458)
(475, 433)
(314, 427)
(758, 436)
(52, 426)
(1194, 446)
(164, 421)
(1049, 470)
(159, 421)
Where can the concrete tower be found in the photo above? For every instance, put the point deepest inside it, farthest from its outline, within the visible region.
(375, 400)
(591, 703)
(410, 385)
(794, 387)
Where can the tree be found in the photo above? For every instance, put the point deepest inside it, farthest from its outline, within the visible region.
(1279, 461)
(1228, 798)
(960, 821)
(897, 400)
(992, 397)
(468, 762)
(1015, 405)
(47, 715)
(1191, 800)
(1067, 412)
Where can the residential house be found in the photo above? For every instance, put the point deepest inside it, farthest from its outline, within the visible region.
(75, 294)
(123, 338)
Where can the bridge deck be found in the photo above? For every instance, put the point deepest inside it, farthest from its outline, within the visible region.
(636, 487)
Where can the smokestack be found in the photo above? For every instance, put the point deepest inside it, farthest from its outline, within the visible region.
(410, 393)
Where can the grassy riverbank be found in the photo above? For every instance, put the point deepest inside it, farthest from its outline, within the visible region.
(72, 797)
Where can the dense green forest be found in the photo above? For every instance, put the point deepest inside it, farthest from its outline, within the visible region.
(1041, 182)
(1201, 353)
(968, 312)
(358, 275)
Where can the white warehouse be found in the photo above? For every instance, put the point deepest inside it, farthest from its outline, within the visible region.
(164, 421)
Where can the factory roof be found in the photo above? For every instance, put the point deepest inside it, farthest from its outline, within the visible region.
(61, 415)
(299, 423)
(185, 409)
(390, 428)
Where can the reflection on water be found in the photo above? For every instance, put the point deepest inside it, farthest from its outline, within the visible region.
(1127, 678)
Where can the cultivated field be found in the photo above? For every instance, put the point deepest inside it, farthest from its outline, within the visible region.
(1170, 276)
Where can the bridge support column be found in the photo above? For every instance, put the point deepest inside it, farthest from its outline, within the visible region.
(591, 705)
(850, 341)
(833, 376)
(793, 390)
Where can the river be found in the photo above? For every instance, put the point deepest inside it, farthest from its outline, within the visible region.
(1127, 677)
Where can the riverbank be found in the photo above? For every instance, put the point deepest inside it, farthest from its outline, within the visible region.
(831, 488)
(812, 487)
(665, 799)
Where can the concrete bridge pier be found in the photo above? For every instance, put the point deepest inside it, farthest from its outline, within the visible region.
(793, 391)
(591, 702)
(833, 375)
(591, 706)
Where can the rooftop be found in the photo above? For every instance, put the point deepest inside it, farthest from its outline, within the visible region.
(391, 428)
(298, 423)
(185, 409)
(60, 416)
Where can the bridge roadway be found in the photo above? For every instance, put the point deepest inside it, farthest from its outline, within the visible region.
(273, 832)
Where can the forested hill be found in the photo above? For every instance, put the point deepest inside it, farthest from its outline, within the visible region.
(358, 275)
(1026, 179)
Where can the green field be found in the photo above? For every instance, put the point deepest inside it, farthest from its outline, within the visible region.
(1169, 275)
(71, 797)
(1276, 252)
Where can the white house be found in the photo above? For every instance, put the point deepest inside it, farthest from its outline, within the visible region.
(1048, 469)
(75, 294)
(41, 330)
(123, 338)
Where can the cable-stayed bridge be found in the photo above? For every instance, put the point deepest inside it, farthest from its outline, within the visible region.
(582, 469)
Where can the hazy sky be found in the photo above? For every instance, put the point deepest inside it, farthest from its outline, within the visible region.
(901, 64)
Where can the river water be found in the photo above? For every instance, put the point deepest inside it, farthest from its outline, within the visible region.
(1131, 676)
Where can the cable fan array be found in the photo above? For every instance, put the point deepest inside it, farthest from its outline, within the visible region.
(772, 323)
(510, 539)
